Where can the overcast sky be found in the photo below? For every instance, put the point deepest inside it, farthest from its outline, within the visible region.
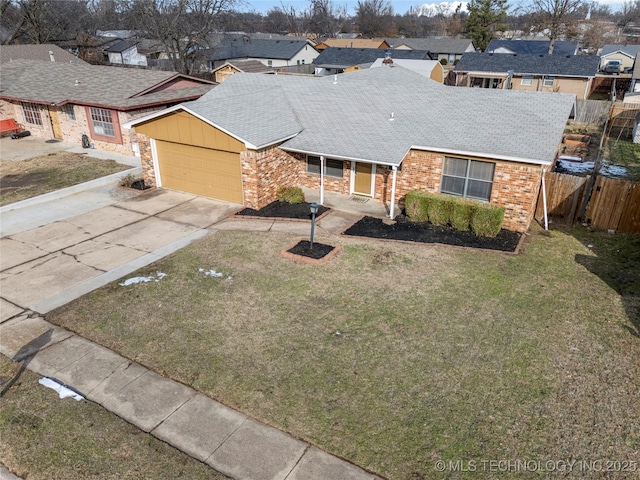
(399, 6)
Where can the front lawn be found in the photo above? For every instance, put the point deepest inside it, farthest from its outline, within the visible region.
(24, 179)
(45, 437)
(396, 355)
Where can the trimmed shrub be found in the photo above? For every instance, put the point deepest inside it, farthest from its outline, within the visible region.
(290, 194)
(415, 205)
(438, 209)
(460, 214)
(444, 62)
(486, 220)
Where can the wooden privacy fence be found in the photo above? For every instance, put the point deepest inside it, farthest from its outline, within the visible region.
(591, 112)
(613, 204)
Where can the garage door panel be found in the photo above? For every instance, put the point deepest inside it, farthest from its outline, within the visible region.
(202, 171)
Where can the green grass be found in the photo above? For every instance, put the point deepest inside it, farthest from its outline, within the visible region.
(44, 437)
(393, 355)
(29, 178)
(626, 154)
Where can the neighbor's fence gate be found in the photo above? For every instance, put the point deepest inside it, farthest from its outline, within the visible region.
(612, 204)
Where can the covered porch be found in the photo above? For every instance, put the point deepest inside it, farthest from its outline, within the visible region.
(350, 203)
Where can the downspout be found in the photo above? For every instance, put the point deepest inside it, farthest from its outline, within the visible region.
(544, 202)
(322, 179)
(394, 170)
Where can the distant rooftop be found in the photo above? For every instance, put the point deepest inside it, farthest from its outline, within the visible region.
(538, 47)
(557, 65)
(42, 52)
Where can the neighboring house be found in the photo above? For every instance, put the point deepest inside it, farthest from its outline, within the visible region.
(67, 101)
(125, 52)
(341, 60)
(636, 130)
(45, 52)
(625, 53)
(427, 68)
(441, 48)
(272, 53)
(532, 47)
(239, 66)
(376, 133)
(549, 73)
(352, 43)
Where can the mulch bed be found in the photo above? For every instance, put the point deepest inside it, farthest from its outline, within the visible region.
(280, 209)
(319, 251)
(406, 230)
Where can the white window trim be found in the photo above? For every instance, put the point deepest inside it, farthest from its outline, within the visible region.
(324, 173)
(548, 79)
(467, 178)
(526, 81)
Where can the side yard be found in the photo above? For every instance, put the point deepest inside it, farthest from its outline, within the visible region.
(24, 179)
(394, 355)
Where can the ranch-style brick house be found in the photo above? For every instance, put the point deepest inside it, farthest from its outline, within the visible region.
(378, 133)
(66, 101)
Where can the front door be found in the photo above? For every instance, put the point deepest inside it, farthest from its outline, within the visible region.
(362, 181)
(55, 124)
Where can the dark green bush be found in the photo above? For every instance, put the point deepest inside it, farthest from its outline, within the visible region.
(460, 213)
(290, 194)
(486, 220)
(415, 205)
(443, 62)
(438, 209)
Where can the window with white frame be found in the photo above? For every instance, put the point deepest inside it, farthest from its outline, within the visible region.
(332, 168)
(69, 111)
(548, 81)
(467, 178)
(270, 63)
(31, 113)
(526, 80)
(102, 122)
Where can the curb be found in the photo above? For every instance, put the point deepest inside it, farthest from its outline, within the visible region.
(65, 192)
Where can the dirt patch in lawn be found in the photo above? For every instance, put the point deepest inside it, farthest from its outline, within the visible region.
(396, 355)
(20, 180)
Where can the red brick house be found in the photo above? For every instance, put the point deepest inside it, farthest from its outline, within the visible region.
(66, 101)
(379, 133)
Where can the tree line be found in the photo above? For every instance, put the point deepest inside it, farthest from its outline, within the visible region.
(181, 26)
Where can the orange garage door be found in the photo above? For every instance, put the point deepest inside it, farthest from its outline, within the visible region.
(203, 171)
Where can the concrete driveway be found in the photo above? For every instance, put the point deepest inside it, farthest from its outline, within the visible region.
(45, 267)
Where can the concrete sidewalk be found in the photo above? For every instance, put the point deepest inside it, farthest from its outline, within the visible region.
(228, 441)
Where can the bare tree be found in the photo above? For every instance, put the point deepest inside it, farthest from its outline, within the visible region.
(181, 26)
(374, 17)
(11, 21)
(556, 17)
(323, 19)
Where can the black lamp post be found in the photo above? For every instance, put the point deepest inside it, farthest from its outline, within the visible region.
(314, 209)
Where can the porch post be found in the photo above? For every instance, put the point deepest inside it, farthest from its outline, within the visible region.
(394, 170)
(322, 179)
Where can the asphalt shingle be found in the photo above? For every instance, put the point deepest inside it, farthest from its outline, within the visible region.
(362, 56)
(556, 65)
(350, 118)
(255, 48)
(535, 47)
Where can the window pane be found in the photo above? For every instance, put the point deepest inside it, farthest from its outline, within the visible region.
(526, 81)
(102, 123)
(71, 114)
(455, 166)
(479, 189)
(31, 114)
(481, 170)
(313, 165)
(333, 168)
(453, 185)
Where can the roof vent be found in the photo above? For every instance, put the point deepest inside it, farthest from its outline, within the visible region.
(387, 58)
(51, 57)
(391, 117)
(77, 82)
(335, 79)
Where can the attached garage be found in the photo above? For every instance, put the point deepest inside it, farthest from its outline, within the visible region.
(203, 171)
(193, 156)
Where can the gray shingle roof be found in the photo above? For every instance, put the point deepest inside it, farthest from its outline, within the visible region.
(114, 87)
(121, 45)
(539, 47)
(9, 53)
(433, 44)
(346, 57)
(350, 118)
(556, 65)
(630, 50)
(255, 48)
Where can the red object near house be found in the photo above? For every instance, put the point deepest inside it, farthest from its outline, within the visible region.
(9, 125)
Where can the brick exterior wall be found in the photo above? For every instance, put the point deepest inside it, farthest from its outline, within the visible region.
(515, 185)
(146, 159)
(72, 130)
